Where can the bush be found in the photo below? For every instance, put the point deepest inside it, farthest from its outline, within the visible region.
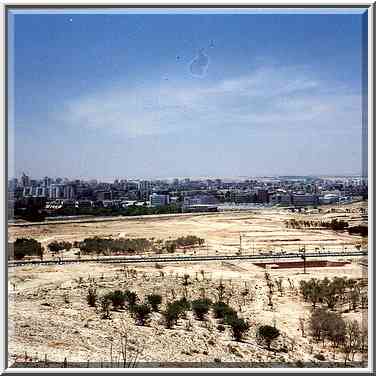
(184, 304)
(200, 308)
(92, 297)
(222, 309)
(154, 300)
(141, 313)
(131, 297)
(117, 299)
(238, 326)
(172, 314)
(267, 334)
(25, 247)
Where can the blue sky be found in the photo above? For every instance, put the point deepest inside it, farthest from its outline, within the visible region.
(162, 95)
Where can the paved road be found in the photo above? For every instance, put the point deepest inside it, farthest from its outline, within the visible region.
(164, 259)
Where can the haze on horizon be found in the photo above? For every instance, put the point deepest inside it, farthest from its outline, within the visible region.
(160, 95)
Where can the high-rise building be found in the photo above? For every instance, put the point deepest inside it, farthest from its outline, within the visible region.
(144, 188)
(25, 180)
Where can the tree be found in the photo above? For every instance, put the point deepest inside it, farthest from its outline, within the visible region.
(141, 313)
(154, 300)
(25, 247)
(238, 327)
(200, 308)
(222, 309)
(117, 298)
(92, 297)
(131, 297)
(267, 334)
(171, 314)
(352, 339)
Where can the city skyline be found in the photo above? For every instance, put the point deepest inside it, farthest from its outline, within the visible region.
(189, 95)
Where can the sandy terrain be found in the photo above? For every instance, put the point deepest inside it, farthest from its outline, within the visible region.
(261, 230)
(49, 316)
(68, 328)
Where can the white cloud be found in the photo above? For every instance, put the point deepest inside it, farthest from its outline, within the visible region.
(269, 97)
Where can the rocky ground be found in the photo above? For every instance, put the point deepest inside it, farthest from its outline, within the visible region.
(50, 318)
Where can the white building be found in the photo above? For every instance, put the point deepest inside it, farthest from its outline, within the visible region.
(159, 200)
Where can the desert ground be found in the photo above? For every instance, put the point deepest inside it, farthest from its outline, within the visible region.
(260, 230)
(50, 319)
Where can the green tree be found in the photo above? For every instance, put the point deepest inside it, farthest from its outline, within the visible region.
(141, 313)
(154, 300)
(267, 334)
(238, 327)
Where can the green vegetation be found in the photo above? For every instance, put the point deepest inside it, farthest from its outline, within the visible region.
(25, 247)
(141, 313)
(106, 246)
(99, 245)
(201, 307)
(56, 246)
(155, 301)
(333, 293)
(238, 327)
(267, 334)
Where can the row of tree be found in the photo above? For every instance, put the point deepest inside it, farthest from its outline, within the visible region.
(176, 310)
(99, 245)
(346, 335)
(334, 293)
(334, 224)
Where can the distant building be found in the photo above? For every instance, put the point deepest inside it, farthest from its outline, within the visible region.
(144, 188)
(159, 200)
(25, 180)
(56, 191)
(329, 199)
(69, 192)
(280, 199)
(199, 208)
(84, 204)
(304, 199)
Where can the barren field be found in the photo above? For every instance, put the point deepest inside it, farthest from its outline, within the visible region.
(50, 319)
(261, 230)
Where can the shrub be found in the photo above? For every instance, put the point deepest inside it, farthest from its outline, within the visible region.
(131, 297)
(267, 334)
(171, 314)
(238, 326)
(184, 304)
(221, 309)
(141, 313)
(200, 308)
(154, 300)
(92, 297)
(117, 298)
